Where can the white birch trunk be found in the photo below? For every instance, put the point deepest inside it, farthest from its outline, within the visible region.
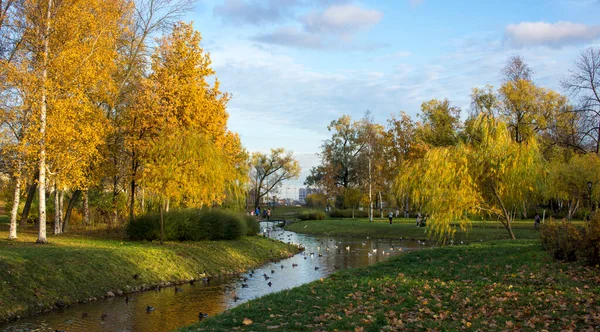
(61, 199)
(42, 162)
(12, 234)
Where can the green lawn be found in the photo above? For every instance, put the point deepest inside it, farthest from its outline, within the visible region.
(74, 268)
(499, 285)
(406, 228)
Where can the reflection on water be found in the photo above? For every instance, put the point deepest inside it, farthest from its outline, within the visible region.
(323, 255)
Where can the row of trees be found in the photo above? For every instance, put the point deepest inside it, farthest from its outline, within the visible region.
(92, 105)
(521, 146)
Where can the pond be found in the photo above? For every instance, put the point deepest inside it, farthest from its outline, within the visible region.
(177, 307)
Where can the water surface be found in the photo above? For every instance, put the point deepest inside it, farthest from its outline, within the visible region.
(322, 257)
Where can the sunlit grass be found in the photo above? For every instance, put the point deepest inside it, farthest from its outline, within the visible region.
(73, 268)
(490, 286)
(407, 229)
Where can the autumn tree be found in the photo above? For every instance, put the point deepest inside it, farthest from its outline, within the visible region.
(568, 180)
(583, 83)
(440, 123)
(185, 165)
(492, 176)
(177, 94)
(268, 171)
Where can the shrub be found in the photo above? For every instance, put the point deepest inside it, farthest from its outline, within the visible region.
(591, 243)
(561, 239)
(252, 225)
(189, 225)
(347, 213)
(312, 215)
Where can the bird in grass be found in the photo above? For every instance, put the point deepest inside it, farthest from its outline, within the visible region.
(202, 315)
(149, 309)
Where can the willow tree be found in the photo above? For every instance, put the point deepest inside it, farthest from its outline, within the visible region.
(184, 165)
(568, 180)
(489, 176)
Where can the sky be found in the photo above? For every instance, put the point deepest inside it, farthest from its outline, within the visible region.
(293, 66)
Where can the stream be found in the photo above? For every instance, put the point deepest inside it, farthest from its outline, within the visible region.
(174, 309)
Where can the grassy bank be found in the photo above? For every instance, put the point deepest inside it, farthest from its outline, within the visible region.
(407, 229)
(74, 268)
(500, 285)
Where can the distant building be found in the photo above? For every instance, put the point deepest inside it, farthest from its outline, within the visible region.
(303, 192)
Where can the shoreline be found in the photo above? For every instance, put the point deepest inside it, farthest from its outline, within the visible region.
(42, 278)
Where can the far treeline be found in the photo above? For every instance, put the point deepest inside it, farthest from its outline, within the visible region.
(522, 149)
(110, 110)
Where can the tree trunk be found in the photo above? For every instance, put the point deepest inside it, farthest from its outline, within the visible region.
(167, 206)
(12, 234)
(42, 162)
(132, 202)
(30, 195)
(352, 211)
(72, 202)
(115, 212)
(86, 208)
(370, 195)
(57, 228)
(143, 201)
(380, 205)
(61, 200)
(162, 222)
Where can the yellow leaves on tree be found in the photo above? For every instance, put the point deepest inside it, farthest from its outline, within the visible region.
(490, 176)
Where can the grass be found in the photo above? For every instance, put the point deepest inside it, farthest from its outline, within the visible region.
(499, 285)
(406, 228)
(74, 268)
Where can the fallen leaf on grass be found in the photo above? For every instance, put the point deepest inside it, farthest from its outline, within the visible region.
(247, 321)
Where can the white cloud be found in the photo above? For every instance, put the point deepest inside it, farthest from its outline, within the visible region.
(332, 28)
(341, 19)
(550, 34)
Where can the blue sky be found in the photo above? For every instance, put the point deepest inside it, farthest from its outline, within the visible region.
(293, 66)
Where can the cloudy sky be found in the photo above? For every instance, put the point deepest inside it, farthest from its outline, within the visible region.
(293, 66)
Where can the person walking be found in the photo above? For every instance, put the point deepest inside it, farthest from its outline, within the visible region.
(536, 221)
(391, 216)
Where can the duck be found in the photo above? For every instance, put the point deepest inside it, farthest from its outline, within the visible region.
(149, 309)
(348, 248)
(202, 315)
(304, 257)
(192, 282)
(320, 255)
(294, 264)
(103, 316)
(244, 285)
(316, 268)
(282, 266)
(272, 271)
(245, 279)
(235, 298)
(269, 283)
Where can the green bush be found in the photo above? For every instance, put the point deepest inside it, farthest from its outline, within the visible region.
(189, 225)
(347, 213)
(312, 215)
(252, 225)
